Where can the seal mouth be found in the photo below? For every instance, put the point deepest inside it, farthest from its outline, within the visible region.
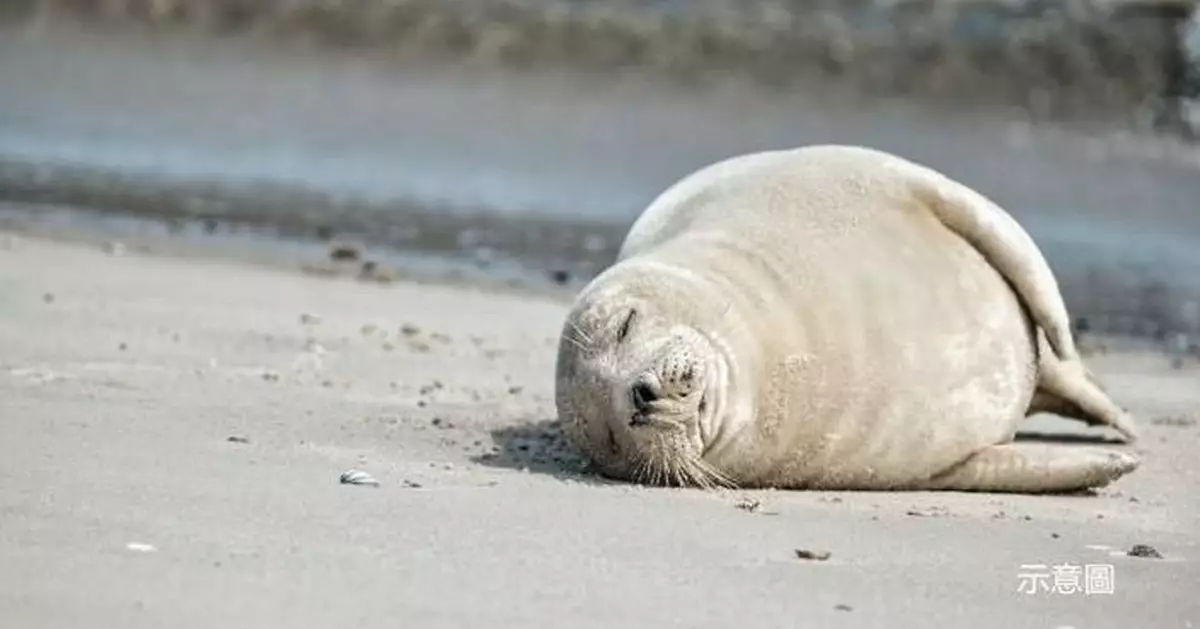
(649, 419)
(701, 427)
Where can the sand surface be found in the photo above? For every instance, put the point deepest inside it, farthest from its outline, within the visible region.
(125, 503)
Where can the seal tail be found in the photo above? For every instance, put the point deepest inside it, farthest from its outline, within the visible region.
(1005, 245)
(1065, 385)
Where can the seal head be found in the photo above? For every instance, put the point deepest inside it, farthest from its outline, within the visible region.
(641, 386)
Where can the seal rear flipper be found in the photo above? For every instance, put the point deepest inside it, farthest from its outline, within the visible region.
(1069, 389)
(1031, 468)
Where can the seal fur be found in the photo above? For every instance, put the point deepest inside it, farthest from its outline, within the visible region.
(830, 317)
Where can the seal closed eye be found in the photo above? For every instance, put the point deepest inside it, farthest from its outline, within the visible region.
(626, 324)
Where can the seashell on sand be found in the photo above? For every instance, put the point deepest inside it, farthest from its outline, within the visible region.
(358, 477)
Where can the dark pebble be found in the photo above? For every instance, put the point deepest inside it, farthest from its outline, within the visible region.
(813, 555)
(344, 253)
(1144, 550)
(560, 276)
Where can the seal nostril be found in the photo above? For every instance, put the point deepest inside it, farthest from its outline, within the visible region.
(643, 395)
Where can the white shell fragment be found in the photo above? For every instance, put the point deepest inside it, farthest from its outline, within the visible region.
(139, 547)
(358, 477)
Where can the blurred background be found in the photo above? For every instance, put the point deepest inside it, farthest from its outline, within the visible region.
(518, 139)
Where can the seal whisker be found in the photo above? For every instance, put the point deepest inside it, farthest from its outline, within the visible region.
(711, 475)
(575, 328)
(568, 338)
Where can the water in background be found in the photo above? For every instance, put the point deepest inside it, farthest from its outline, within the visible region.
(545, 168)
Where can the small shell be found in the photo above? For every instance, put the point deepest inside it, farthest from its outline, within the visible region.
(358, 477)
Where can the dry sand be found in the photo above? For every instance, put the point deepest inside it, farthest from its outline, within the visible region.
(124, 502)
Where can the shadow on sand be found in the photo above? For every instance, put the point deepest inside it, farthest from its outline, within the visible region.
(1066, 438)
(541, 448)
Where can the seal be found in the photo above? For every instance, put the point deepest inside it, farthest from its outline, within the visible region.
(829, 317)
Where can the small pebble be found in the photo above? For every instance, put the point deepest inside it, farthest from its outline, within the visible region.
(237, 439)
(748, 504)
(843, 608)
(309, 319)
(370, 271)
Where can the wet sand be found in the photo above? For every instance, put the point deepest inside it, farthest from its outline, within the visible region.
(175, 427)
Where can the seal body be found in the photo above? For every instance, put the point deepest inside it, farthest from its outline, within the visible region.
(827, 317)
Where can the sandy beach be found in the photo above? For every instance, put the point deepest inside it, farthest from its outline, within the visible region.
(175, 427)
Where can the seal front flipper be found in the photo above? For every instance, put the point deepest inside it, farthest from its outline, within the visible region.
(1035, 468)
